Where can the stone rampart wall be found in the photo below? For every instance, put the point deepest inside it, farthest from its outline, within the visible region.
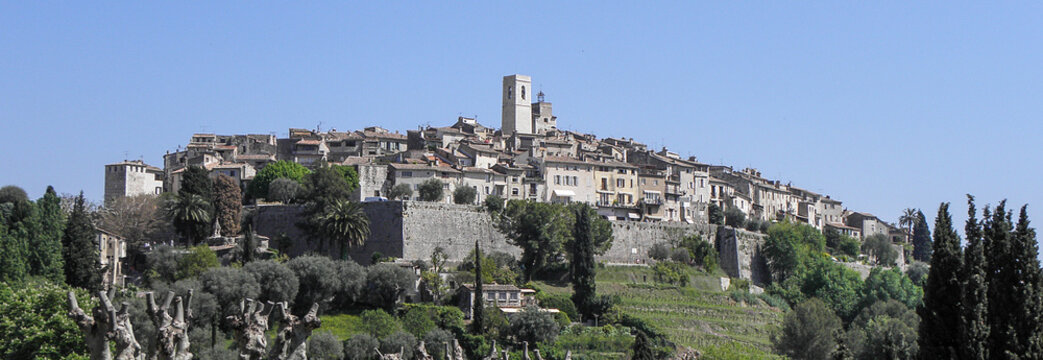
(413, 229)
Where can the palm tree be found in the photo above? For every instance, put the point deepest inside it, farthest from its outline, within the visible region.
(345, 223)
(190, 214)
(907, 219)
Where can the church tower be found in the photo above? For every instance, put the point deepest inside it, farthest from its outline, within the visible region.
(517, 105)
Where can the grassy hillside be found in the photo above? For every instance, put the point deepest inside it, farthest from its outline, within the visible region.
(699, 316)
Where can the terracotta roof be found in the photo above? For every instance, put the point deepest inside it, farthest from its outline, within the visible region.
(137, 163)
(842, 226)
(471, 169)
(308, 142)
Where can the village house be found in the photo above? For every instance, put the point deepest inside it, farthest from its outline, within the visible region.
(508, 298)
(568, 180)
(416, 174)
(484, 181)
(112, 249)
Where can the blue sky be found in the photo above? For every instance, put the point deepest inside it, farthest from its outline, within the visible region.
(883, 105)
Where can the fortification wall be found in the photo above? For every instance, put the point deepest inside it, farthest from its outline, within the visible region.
(413, 229)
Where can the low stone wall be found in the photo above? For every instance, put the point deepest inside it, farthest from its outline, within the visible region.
(739, 254)
(632, 240)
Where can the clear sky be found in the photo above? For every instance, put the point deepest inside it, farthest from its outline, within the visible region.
(883, 105)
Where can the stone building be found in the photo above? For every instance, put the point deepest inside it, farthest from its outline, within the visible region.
(568, 180)
(484, 181)
(416, 174)
(112, 249)
(130, 178)
(508, 298)
(517, 105)
(868, 224)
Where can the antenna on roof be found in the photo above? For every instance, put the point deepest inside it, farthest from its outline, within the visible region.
(318, 128)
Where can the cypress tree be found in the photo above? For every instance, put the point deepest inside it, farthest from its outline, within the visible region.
(921, 239)
(582, 266)
(80, 249)
(940, 312)
(478, 305)
(1001, 281)
(1027, 315)
(46, 249)
(974, 327)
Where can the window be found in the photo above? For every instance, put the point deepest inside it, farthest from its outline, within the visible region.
(407, 174)
(486, 190)
(575, 180)
(557, 179)
(523, 92)
(620, 183)
(643, 181)
(514, 191)
(510, 92)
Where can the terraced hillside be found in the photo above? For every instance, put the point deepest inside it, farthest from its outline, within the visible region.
(699, 316)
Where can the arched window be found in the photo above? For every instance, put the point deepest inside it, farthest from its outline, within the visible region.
(510, 92)
(523, 92)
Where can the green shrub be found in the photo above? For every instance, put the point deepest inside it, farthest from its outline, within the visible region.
(671, 273)
(562, 302)
(379, 324)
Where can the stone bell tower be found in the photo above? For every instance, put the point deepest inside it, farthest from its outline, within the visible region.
(517, 105)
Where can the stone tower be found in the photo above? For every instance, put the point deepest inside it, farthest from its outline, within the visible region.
(517, 105)
(543, 119)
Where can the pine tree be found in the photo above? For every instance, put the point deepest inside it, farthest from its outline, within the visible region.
(1027, 315)
(974, 327)
(1002, 340)
(582, 266)
(80, 249)
(921, 239)
(478, 305)
(46, 247)
(940, 312)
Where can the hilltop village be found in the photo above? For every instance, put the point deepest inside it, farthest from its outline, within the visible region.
(527, 158)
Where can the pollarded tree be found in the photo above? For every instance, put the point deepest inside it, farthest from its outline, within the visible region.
(431, 190)
(190, 214)
(259, 186)
(464, 195)
(228, 202)
(139, 219)
(80, 250)
(921, 239)
(940, 312)
(974, 321)
(807, 331)
(400, 192)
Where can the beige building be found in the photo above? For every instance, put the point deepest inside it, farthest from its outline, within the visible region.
(508, 298)
(568, 180)
(652, 185)
(484, 181)
(416, 174)
(617, 188)
(130, 178)
(112, 249)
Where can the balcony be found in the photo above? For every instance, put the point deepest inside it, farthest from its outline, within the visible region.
(652, 201)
